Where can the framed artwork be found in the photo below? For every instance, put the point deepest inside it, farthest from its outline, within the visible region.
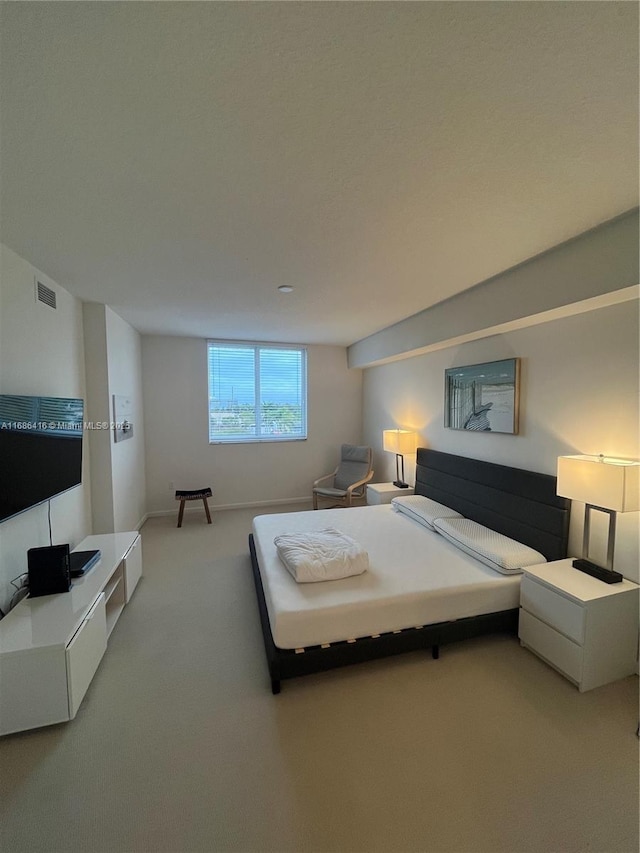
(483, 397)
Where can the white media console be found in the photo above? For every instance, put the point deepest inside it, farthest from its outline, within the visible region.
(51, 646)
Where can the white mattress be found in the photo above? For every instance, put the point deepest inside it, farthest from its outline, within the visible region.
(415, 577)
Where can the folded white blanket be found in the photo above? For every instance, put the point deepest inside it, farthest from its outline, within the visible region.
(322, 555)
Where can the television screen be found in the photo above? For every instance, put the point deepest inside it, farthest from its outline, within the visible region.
(40, 450)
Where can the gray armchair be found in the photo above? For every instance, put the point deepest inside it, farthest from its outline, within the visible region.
(347, 484)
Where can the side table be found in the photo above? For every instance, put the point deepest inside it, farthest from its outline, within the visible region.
(584, 628)
(383, 493)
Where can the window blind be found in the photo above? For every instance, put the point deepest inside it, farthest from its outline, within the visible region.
(257, 392)
(53, 415)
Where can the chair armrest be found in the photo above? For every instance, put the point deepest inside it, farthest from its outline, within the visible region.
(326, 477)
(360, 482)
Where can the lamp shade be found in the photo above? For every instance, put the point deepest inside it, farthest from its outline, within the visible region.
(399, 441)
(600, 481)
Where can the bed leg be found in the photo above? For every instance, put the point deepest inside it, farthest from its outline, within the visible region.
(275, 686)
(435, 652)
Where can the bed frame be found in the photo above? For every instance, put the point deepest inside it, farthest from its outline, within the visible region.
(517, 503)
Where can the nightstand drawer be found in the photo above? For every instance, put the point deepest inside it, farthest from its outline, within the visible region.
(562, 653)
(553, 608)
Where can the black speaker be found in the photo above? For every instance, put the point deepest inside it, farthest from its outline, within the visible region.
(48, 570)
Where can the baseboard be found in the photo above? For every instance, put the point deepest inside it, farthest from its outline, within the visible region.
(221, 507)
(142, 521)
(257, 504)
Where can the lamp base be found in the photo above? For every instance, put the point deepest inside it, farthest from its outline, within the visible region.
(400, 485)
(596, 571)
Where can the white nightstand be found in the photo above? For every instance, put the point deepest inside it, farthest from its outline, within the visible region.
(383, 493)
(584, 628)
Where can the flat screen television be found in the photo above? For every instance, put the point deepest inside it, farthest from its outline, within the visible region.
(40, 450)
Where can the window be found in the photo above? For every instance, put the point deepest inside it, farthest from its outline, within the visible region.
(257, 392)
(55, 416)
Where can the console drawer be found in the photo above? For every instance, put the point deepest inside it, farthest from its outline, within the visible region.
(559, 651)
(132, 567)
(551, 607)
(85, 652)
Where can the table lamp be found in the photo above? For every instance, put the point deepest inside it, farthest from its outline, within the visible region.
(399, 441)
(605, 484)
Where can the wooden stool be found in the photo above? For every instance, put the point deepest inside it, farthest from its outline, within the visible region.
(197, 495)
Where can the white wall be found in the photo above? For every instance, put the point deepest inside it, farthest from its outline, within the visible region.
(114, 366)
(177, 450)
(579, 394)
(41, 353)
(124, 353)
(98, 411)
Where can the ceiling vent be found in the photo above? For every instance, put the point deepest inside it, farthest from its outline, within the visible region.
(45, 294)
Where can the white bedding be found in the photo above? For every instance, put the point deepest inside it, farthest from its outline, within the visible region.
(322, 555)
(415, 577)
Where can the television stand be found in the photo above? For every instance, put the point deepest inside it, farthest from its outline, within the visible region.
(51, 646)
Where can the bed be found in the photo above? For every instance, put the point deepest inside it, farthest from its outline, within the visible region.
(421, 591)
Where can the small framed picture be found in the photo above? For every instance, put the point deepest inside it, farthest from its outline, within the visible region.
(483, 397)
(122, 417)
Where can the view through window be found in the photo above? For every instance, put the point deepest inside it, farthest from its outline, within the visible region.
(257, 392)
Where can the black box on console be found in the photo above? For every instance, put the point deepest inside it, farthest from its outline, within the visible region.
(48, 569)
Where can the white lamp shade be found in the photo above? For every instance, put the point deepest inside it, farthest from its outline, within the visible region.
(399, 441)
(600, 481)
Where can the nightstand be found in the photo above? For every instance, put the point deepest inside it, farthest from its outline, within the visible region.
(383, 493)
(584, 628)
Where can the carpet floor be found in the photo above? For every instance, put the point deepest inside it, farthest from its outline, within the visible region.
(179, 745)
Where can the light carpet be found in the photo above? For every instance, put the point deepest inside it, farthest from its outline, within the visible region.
(180, 746)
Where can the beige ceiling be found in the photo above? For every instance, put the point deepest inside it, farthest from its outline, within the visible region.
(179, 161)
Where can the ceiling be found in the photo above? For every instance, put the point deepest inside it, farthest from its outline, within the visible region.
(180, 161)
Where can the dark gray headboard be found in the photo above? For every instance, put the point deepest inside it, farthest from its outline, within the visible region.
(517, 503)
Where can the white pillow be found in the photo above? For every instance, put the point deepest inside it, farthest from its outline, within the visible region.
(423, 510)
(493, 549)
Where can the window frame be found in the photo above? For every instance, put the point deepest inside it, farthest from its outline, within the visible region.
(257, 347)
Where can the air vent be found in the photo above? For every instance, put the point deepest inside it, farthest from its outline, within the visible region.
(45, 294)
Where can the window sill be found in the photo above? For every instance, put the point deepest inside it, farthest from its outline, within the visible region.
(257, 440)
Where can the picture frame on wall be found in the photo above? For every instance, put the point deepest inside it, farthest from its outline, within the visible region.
(483, 397)
(122, 417)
